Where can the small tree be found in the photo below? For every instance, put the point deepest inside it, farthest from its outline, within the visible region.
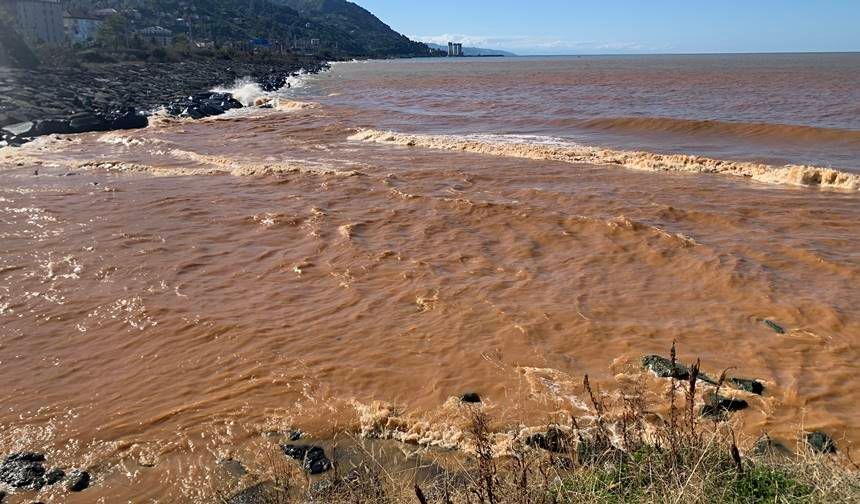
(114, 32)
(181, 43)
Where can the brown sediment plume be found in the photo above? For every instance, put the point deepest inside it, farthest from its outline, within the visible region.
(779, 132)
(635, 160)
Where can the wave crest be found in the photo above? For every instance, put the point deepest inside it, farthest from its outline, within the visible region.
(544, 148)
(782, 132)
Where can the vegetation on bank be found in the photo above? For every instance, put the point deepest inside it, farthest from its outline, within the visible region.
(226, 29)
(622, 453)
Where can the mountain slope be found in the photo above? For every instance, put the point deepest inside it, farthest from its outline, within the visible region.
(359, 32)
(342, 28)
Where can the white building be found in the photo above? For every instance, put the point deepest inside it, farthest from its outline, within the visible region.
(156, 35)
(80, 27)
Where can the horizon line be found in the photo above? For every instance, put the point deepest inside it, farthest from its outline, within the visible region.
(680, 53)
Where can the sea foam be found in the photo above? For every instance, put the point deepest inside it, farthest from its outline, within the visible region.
(548, 148)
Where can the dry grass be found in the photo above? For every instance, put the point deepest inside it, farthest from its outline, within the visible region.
(628, 456)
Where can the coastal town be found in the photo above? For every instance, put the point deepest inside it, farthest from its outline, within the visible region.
(69, 23)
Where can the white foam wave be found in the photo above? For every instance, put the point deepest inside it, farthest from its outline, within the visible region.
(246, 91)
(554, 149)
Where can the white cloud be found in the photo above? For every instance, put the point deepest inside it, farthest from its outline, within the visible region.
(532, 44)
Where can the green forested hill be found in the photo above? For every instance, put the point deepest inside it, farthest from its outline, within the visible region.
(357, 28)
(343, 28)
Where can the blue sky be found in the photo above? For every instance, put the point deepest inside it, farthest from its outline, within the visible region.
(629, 26)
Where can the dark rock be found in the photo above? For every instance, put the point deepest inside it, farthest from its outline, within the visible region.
(127, 118)
(23, 470)
(86, 122)
(821, 442)
(470, 397)
(50, 127)
(767, 447)
(717, 406)
(234, 467)
(202, 105)
(662, 367)
(554, 440)
(752, 386)
(2, 496)
(54, 476)
(78, 481)
(273, 82)
(313, 458)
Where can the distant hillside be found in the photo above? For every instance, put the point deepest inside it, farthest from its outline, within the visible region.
(475, 51)
(356, 30)
(342, 28)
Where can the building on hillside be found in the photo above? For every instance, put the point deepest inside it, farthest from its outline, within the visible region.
(156, 35)
(40, 21)
(455, 49)
(105, 13)
(81, 27)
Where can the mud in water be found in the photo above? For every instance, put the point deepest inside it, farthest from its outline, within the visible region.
(173, 297)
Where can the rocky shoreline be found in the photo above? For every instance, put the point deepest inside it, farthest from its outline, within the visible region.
(120, 96)
(567, 446)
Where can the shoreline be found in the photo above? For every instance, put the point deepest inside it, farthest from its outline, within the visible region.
(121, 96)
(694, 419)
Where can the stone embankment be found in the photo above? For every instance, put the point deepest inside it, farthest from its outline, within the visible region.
(121, 96)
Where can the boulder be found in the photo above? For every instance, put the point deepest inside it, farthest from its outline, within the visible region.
(273, 81)
(554, 440)
(821, 442)
(23, 470)
(54, 476)
(767, 447)
(313, 458)
(747, 385)
(200, 105)
(662, 367)
(78, 481)
(51, 127)
(470, 397)
(717, 406)
(127, 118)
(86, 122)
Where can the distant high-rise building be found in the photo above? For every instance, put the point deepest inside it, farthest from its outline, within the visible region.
(455, 49)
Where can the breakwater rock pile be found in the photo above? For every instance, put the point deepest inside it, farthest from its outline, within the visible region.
(120, 96)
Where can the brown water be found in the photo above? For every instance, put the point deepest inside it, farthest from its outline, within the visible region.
(196, 285)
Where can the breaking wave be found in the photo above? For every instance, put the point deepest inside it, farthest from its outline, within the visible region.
(246, 90)
(781, 132)
(250, 94)
(547, 148)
